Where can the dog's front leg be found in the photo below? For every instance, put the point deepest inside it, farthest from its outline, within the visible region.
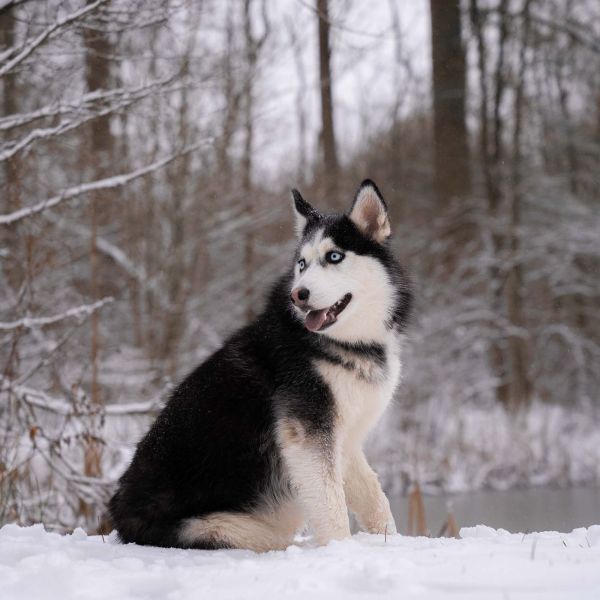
(365, 496)
(314, 470)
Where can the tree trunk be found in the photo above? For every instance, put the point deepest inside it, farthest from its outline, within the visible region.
(452, 178)
(10, 200)
(519, 389)
(451, 150)
(490, 151)
(177, 282)
(330, 160)
(11, 196)
(253, 45)
(97, 77)
(300, 99)
(251, 52)
(232, 97)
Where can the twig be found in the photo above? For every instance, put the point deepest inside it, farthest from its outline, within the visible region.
(533, 547)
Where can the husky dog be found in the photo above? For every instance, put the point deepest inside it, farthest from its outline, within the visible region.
(266, 436)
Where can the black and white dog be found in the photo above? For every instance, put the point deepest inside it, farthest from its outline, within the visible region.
(266, 436)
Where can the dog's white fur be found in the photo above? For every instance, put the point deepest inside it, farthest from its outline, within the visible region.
(360, 402)
(261, 531)
(328, 480)
(364, 319)
(317, 479)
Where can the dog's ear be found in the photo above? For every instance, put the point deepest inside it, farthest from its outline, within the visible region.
(303, 211)
(369, 212)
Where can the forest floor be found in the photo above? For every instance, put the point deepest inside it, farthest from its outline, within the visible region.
(484, 563)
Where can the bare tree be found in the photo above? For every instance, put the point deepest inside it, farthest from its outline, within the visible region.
(11, 167)
(253, 47)
(452, 175)
(97, 158)
(330, 167)
(519, 393)
(99, 154)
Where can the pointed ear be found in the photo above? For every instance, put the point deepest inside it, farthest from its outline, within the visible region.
(369, 212)
(304, 212)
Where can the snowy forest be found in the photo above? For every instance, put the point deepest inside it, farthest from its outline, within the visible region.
(147, 151)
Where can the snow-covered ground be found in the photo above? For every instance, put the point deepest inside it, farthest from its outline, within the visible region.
(484, 563)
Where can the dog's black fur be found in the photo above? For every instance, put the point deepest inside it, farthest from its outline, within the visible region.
(213, 447)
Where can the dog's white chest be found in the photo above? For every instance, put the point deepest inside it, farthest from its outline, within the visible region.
(361, 394)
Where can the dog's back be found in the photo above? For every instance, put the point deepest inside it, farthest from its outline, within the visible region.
(201, 455)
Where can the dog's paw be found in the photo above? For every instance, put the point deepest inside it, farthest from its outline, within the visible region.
(383, 528)
(380, 520)
(323, 536)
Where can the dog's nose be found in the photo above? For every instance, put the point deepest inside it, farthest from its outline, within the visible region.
(300, 296)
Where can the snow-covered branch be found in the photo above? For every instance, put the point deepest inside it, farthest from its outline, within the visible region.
(41, 400)
(126, 99)
(30, 46)
(90, 101)
(101, 184)
(78, 312)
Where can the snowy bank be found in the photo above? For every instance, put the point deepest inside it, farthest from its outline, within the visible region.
(484, 563)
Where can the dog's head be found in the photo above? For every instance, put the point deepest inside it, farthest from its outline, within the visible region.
(346, 284)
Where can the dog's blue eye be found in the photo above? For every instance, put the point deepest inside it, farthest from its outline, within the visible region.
(334, 257)
(302, 264)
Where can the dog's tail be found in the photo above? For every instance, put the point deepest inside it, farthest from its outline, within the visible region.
(167, 534)
(136, 524)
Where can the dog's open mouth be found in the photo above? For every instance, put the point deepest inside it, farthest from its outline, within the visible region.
(318, 320)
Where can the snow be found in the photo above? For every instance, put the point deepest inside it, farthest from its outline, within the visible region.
(484, 563)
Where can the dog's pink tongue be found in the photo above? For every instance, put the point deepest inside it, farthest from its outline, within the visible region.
(315, 318)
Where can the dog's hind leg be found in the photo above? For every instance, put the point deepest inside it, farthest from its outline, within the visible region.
(251, 531)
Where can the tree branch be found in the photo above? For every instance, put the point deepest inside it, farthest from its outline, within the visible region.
(89, 102)
(73, 313)
(28, 48)
(101, 184)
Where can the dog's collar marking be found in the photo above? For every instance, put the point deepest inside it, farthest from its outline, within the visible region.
(370, 353)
